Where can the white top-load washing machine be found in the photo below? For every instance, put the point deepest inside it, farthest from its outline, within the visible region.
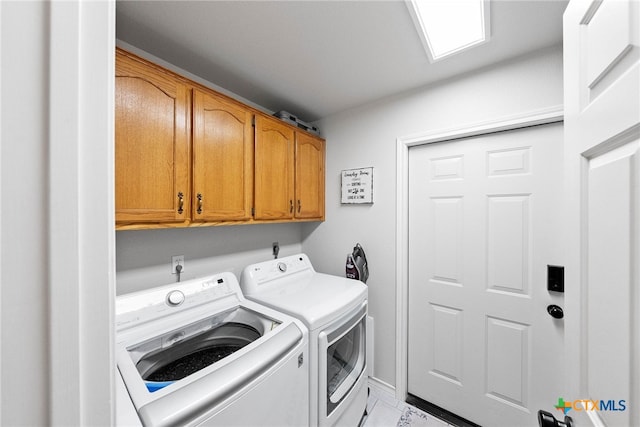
(199, 353)
(334, 309)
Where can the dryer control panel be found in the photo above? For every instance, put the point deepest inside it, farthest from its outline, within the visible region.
(277, 269)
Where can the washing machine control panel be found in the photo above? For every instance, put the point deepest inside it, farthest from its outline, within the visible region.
(146, 305)
(175, 298)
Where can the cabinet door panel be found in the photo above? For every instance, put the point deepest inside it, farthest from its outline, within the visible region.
(222, 159)
(151, 145)
(273, 169)
(309, 177)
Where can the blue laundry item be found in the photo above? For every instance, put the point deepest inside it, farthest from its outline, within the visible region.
(157, 385)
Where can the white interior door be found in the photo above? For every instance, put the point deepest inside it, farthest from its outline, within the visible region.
(484, 223)
(602, 164)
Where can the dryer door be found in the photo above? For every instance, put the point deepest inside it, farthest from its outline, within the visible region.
(345, 357)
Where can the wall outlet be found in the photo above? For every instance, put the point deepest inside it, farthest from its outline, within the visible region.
(177, 260)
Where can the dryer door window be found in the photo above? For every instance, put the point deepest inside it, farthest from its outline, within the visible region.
(345, 363)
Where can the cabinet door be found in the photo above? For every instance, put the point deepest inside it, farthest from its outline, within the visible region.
(309, 177)
(222, 159)
(152, 144)
(274, 190)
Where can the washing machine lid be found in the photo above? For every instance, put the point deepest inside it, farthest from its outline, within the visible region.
(292, 286)
(158, 326)
(187, 399)
(167, 357)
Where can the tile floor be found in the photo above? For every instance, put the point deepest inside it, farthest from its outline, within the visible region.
(385, 411)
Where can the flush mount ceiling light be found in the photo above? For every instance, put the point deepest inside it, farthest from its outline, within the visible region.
(447, 27)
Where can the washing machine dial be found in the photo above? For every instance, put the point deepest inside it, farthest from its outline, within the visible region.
(282, 267)
(175, 298)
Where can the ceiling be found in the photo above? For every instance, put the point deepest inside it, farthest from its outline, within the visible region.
(317, 58)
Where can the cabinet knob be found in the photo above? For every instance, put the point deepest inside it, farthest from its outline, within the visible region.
(199, 203)
(180, 202)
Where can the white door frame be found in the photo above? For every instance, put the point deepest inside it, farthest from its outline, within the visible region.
(538, 117)
(81, 240)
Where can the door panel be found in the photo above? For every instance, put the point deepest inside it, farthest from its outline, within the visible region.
(602, 116)
(508, 242)
(508, 345)
(609, 289)
(447, 244)
(483, 225)
(447, 339)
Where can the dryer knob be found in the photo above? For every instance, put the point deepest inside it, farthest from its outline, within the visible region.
(175, 298)
(282, 267)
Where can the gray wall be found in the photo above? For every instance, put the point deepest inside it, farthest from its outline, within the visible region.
(366, 136)
(143, 257)
(24, 163)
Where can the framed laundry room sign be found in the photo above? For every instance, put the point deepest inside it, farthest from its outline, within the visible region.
(357, 186)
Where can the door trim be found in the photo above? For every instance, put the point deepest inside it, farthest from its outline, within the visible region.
(537, 117)
(80, 237)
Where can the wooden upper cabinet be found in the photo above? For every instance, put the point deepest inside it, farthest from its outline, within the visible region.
(187, 155)
(222, 159)
(309, 166)
(274, 169)
(151, 144)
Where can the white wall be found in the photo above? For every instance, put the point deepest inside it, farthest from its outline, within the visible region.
(366, 136)
(143, 257)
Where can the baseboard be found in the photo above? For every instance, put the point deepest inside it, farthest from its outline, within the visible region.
(382, 386)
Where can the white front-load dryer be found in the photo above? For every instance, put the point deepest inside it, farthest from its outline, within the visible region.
(335, 310)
